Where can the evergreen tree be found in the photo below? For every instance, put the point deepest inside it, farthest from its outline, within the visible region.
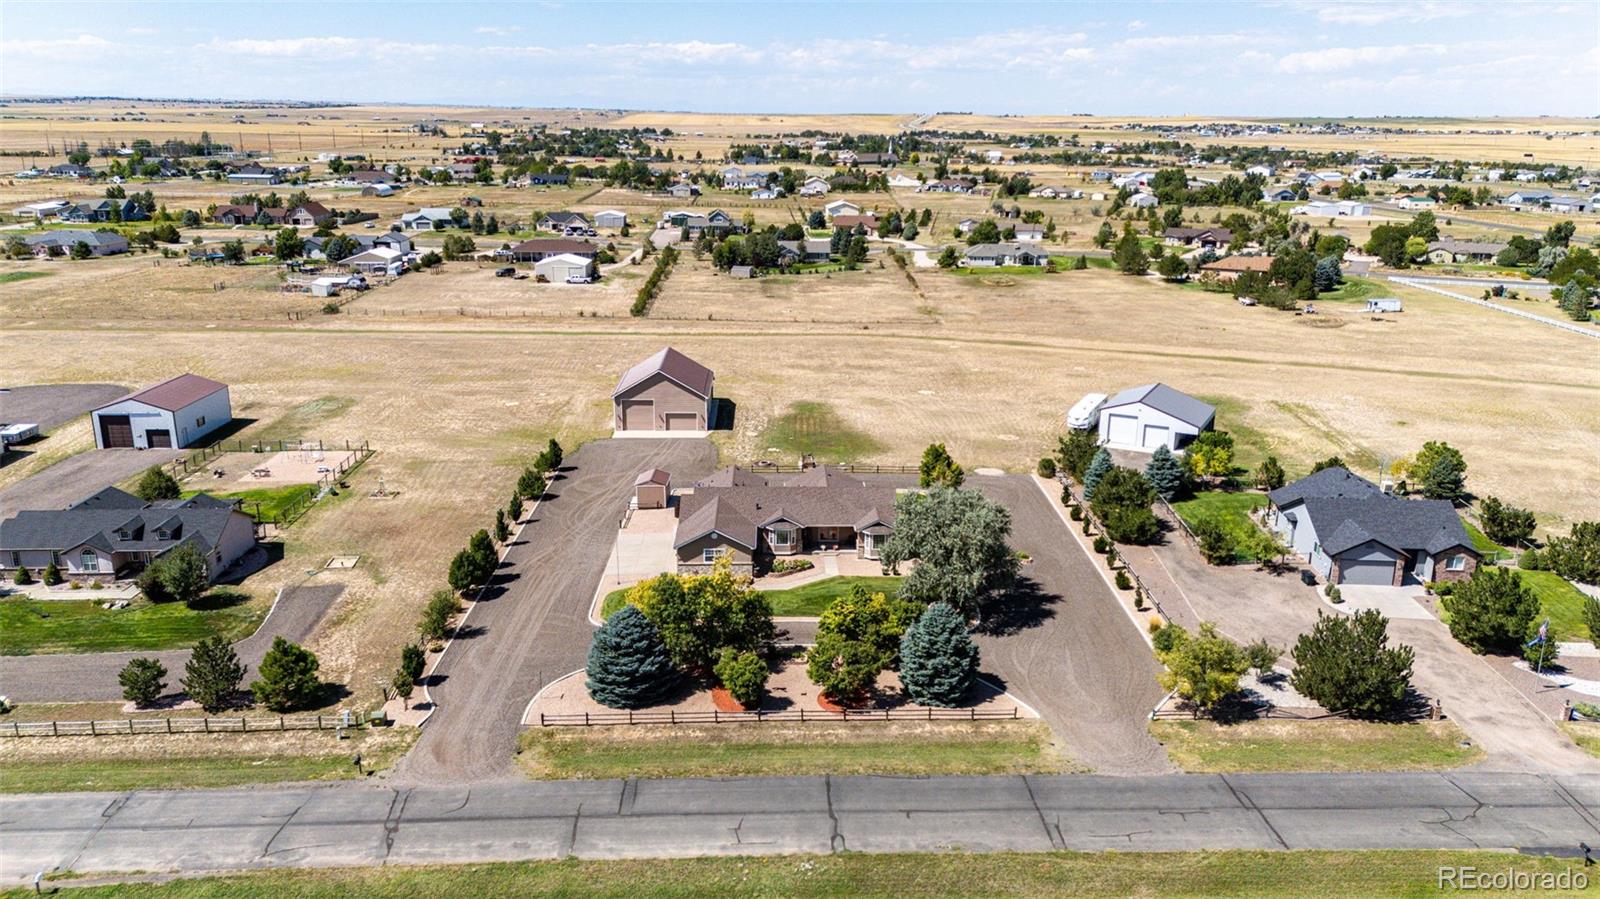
(463, 571)
(938, 468)
(1345, 665)
(287, 678)
(1164, 473)
(628, 664)
(157, 485)
(502, 531)
(1493, 611)
(1098, 466)
(184, 574)
(142, 681)
(938, 660)
(514, 508)
(484, 558)
(213, 674)
(52, 574)
(1270, 475)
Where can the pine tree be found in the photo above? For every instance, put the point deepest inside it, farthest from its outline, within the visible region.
(514, 508)
(938, 660)
(1098, 466)
(1270, 475)
(502, 531)
(212, 674)
(484, 558)
(156, 485)
(628, 664)
(288, 677)
(1164, 473)
(142, 681)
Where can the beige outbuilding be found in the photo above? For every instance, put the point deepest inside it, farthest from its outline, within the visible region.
(666, 392)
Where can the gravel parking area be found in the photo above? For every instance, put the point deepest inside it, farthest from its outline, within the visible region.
(49, 405)
(76, 477)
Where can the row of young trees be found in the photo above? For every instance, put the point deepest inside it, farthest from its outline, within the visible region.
(652, 284)
(287, 679)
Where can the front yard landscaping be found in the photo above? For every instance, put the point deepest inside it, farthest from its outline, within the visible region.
(790, 749)
(804, 601)
(32, 626)
(1231, 509)
(268, 503)
(1327, 745)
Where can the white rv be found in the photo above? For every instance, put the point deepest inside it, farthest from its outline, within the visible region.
(1086, 413)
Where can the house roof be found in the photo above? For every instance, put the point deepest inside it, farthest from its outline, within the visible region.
(67, 238)
(565, 259)
(735, 502)
(1220, 235)
(673, 364)
(715, 516)
(566, 218)
(313, 208)
(1239, 264)
(429, 212)
(1160, 397)
(653, 476)
(850, 221)
(996, 250)
(1478, 247)
(174, 393)
(1329, 483)
(102, 520)
(1403, 524)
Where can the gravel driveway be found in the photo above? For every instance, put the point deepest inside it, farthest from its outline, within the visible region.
(49, 405)
(77, 477)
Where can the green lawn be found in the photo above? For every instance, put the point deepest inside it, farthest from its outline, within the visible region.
(1561, 602)
(784, 749)
(1231, 509)
(35, 627)
(1002, 270)
(1353, 290)
(267, 503)
(804, 601)
(14, 277)
(1332, 745)
(1231, 872)
(1480, 540)
(816, 428)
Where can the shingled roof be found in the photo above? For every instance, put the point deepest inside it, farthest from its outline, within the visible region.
(1329, 483)
(676, 366)
(1405, 524)
(736, 503)
(115, 521)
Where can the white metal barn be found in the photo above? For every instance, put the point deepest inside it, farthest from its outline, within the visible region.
(1143, 418)
(565, 268)
(610, 218)
(173, 414)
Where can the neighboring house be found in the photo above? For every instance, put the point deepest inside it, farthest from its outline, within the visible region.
(1030, 233)
(1153, 415)
(950, 186)
(814, 187)
(376, 261)
(1334, 209)
(666, 392)
(566, 268)
(70, 170)
(394, 240)
(993, 157)
(1265, 171)
(868, 221)
(174, 414)
(308, 215)
(751, 518)
(1566, 204)
(684, 190)
(113, 535)
(562, 222)
(544, 178)
(94, 211)
(1527, 198)
(766, 193)
(368, 176)
(1229, 268)
(1143, 201)
(840, 207)
(1413, 201)
(992, 254)
(1448, 249)
(1279, 194)
(1351, 532)
(42, 210)
(1206, 238)
(60, 243)
(234, 214)
(428, 218)
(255, 174)
(716, 221)
(541, 247)
(883, 160)
(812, 249)
(610, 218)
(744, 180)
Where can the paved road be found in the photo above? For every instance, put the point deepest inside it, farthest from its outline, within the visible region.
(76, 477)
(532, 625)
(49, 405)
(369, 824)
(92, 677)
(1068, 649)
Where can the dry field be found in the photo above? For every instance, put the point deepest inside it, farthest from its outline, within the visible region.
(471, 289)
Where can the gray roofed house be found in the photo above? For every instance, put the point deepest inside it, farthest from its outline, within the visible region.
(1448, 249)
(562, 221)
(54, 243)
(996, 254)
(113, 534)
(751, 517)
(1352, 532)
(812, 249)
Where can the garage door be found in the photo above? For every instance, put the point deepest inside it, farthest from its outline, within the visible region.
(161, 439)
(115, 430)
(1369, 571)
(1124, 430)
(638, 415)
(683, 421)
(1156, 435)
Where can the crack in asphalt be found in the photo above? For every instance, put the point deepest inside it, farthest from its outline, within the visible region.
(1127, 836)
(106, 814)
(1572, 801)
(836, 841)
(391, 820)
(1245, 801)
(572, 834)
(267, 849)
(1054, 838)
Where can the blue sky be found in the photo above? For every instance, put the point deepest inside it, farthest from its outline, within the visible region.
(1294, 57)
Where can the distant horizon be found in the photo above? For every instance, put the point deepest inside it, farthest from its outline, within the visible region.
(1272, 59)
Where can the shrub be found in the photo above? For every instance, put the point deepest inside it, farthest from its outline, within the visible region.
(142, 681)
(181, 575)
(1346, 665)
(1591, 618)
(743, 674)
(1262, 655)
(1541, 653)
(878, 620)
(22, 578)
(52, 574)
(1214, 541)
(1047, 467)
(1532, 560)
(1124, 582)
(330, 308)
(698, 615)
(149, 581)
(1166, 637)
(1492, 611)
(938, 660)
(213, 674)
(1102, 545)
(1334, 596)
(156, 484)
(1066, 496)
(1132, 524)
(287, 679)
(1204, 668)
(843, 668)
(435, 621)
(1075, 512)
(1576, 556)
(628, 663)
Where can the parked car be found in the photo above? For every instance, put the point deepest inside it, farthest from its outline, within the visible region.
(509, 271)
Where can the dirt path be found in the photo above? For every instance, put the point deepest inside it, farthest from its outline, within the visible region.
(532, 626)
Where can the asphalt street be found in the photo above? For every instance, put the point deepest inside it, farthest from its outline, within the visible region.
(371, 824)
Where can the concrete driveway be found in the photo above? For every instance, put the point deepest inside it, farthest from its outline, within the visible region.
(1395, 603)
(76, 477)
(531, 625)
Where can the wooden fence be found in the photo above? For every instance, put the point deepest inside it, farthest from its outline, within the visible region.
(132, 726)
(1267, 710)
(672, 716)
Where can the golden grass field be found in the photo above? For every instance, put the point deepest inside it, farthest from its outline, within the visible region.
(458, 377)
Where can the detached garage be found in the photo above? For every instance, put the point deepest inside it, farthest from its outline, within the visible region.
(172, 415)
(666, 392)
(1153, 415)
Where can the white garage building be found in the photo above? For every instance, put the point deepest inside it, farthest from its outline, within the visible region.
(173, 414)
(1143, 418)
(565, 268)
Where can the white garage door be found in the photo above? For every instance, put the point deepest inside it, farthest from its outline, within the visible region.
(1124, 430)
(1156, 435)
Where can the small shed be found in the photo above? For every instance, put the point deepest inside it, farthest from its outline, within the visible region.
(1384, 304)
(742, 271)
(651, 488)
(328, 287)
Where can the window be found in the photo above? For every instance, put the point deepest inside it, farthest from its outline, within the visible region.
(200, 422)
(1455, 563)
(16, 559)
(713, 553)
(55, 558)
(89, 561)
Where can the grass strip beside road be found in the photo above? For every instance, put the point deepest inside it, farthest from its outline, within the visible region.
(774, 749)
(1239, 873)
(35, 626)
(1326, 745)
(804, 601)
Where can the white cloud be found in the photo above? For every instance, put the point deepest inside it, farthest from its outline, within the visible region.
(1334, 59)
(143, 31)
(1137, 25)
(1367, 12)
(83, 43)
(501, 30)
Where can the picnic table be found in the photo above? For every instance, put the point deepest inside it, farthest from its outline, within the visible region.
(261, 473)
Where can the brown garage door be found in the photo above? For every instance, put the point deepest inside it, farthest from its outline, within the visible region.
(115, 430)
(683, 421)
(159, 439)
(638, 415)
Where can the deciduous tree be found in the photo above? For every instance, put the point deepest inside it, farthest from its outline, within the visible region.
(959, 540)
